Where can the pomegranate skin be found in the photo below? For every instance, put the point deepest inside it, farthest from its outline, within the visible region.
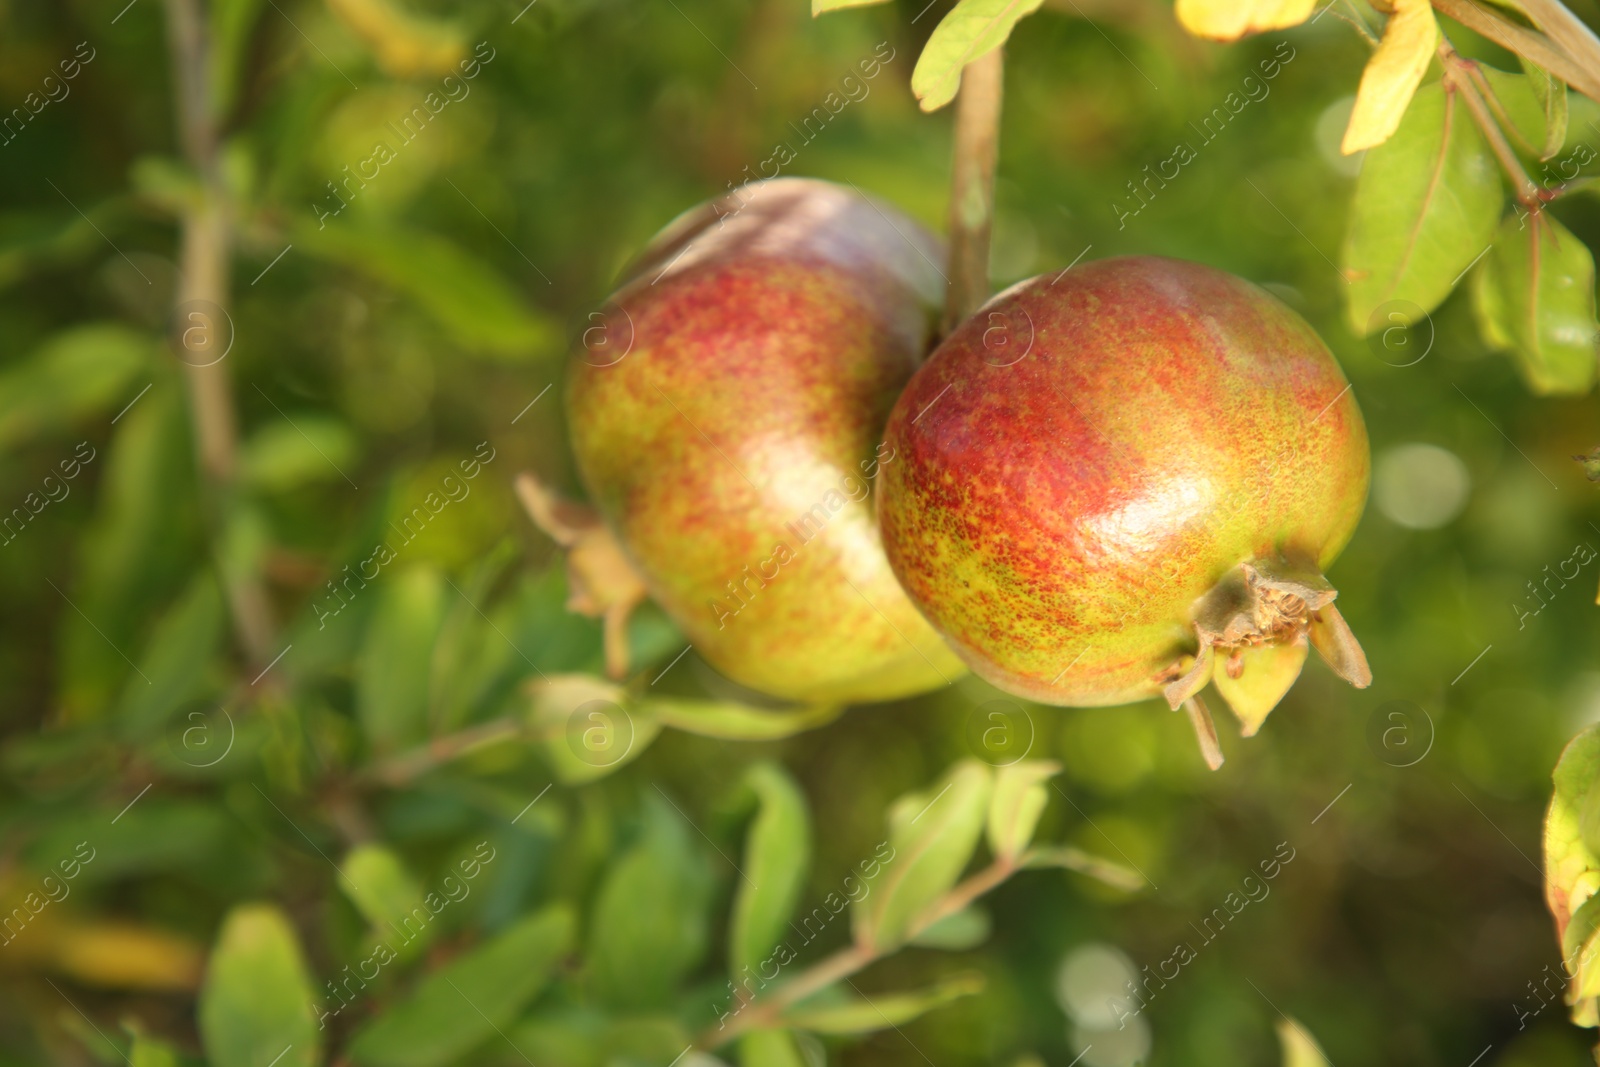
(732, 449)
(1091, 453)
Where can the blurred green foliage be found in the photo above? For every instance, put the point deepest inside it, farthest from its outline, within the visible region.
(280, 850)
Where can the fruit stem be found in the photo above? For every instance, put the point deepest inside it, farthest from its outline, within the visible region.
(977, 151)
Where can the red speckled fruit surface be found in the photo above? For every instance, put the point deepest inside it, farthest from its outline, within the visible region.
(1090, 453)
(727, 419)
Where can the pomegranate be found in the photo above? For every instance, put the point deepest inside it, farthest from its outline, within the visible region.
(726, 416)
(1127, 479)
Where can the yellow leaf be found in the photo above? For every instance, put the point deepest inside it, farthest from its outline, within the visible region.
(1392, 75)
(406, 45)
(1229, 20)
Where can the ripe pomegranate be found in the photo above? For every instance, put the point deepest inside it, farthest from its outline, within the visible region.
(1125, 480)
(726, 416)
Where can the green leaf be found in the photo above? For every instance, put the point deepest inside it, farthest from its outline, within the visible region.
(175, 665)
(958, 931)
(148, 1052)
(231, 23)
(1300, 1049)
(1535, 103)
(820, 7)
(255, 1005)
(650, 924)
(1018, 801)
(933, 835)
(464, 1002)
(770, 1048)
(1537, 291)
(396, 660)
(77, 373)
(881, 1011)
(777, 855)
(382, 889)
(288, 454)
(737, 722)
(970, 29)
(1425, 207)
(1571, 867)
(462, 293)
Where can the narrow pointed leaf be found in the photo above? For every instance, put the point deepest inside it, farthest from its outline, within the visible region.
(822, 7)
(770, 1048)
(933, 835)
(1300, 1049)
(1392, 75)
(1229, 20)
(863, 1015)
(1425, 207)
(1018, 801)
(777, 855)
(958, 931)
(972, 28)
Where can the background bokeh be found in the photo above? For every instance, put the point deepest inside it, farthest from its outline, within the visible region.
(372, 355)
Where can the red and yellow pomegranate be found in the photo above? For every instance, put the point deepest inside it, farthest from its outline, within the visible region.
(1126, 480)
(727, 418)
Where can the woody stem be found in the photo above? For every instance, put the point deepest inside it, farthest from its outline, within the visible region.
(977, 150)
(852, 959)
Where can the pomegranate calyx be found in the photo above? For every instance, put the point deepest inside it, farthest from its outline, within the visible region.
(601, 582)
(1252, 630)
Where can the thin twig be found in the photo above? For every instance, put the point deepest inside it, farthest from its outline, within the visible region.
(977, 149)
(1455, 78)
(405, 767)
(768, 1011)
(204, 277)
(1579, 69)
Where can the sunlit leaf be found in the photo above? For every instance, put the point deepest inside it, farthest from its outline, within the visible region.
(1392, 75)
(1425, 207)
(255, 1006)
(406, 44)
(777, 857)
(1571, 868)
(933, 834)
(970, 29)
(466, 1001)
(1551, 92)
(1300, 1049)
(881, 1011)
(1018, 801)
(149, 1052)
(1538, 293)
(1228, 20)
(819, 7)
(650, 923)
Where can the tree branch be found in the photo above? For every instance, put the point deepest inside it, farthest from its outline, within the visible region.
(203, 284)
(977, 150)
